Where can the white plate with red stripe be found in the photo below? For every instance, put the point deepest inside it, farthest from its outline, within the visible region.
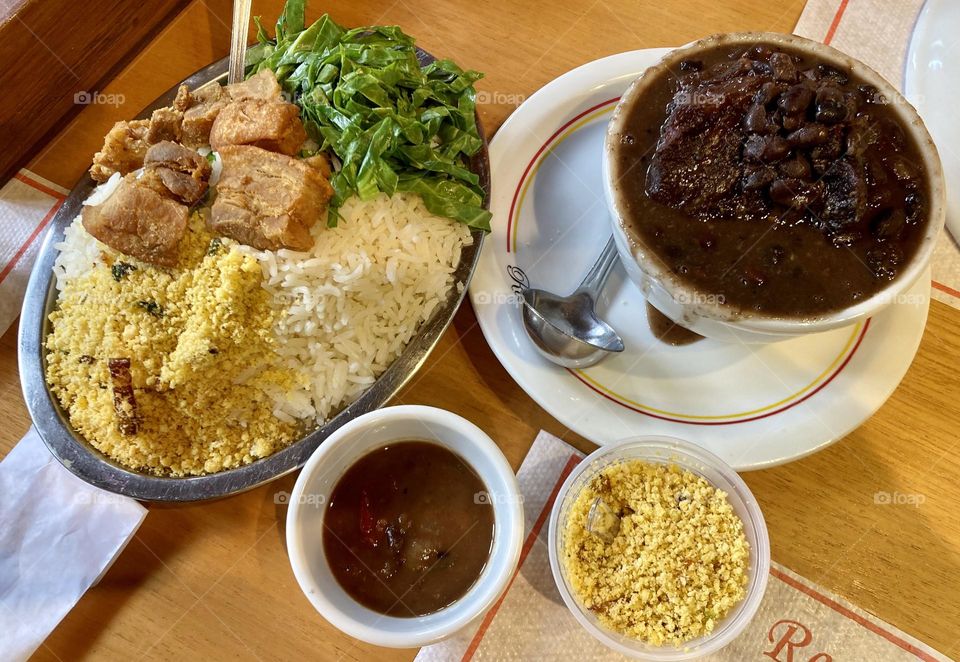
(755, 406)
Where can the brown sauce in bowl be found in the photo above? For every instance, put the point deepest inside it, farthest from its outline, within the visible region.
(772, 181)
(408, 529)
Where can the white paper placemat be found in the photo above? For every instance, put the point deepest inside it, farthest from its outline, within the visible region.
(797, 620)
(27, 205)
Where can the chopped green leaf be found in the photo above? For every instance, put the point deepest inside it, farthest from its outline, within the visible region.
(152, 307)
(121, 269)
(393, 125)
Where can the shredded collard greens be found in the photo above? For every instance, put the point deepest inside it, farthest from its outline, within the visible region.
(392, 124)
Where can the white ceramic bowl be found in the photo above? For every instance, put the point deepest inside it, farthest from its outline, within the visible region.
(320, 475)
(700, 312)
(666, 450)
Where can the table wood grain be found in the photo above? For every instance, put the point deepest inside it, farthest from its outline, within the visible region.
(49, 72)
(213, 579)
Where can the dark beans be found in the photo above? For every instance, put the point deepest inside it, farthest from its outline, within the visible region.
(760, 52)
(831, 106)
(808, 136)
(872, 95)
(890, 226)
(895, 135)
(791, 122)
(826, 71)
(913, 203)
(796, 168)
(691, 65)
(902, 168)
(767, 93)
(795, 175)
(783, 191)
(759, 178)
(829, 150)
(755, 121)
(861, 136)
(768, 149)
(796, 99)
(783, 67)
(776, 149)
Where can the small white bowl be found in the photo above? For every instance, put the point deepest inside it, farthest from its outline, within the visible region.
(666, 450)
(698, 311)
(322, 472)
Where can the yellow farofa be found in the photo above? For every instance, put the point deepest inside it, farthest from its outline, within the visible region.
(676, 567)
(200, 340)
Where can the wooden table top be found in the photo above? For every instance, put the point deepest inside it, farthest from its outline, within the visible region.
(213, 579)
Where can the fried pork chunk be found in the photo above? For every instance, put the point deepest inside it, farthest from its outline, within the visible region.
(270, 125)
(268, 200)
(137, 220)
(265, 121)
(182, 172)
(262, 85)
(201, 107)
(123, 150)
(165, 125)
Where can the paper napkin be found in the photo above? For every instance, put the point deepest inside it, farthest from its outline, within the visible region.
(58, 536)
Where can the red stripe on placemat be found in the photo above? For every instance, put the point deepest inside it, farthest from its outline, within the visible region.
(946, 288)
(852, 615)
(836, 22)
(32, 183)
(527, 546)
(26, 245)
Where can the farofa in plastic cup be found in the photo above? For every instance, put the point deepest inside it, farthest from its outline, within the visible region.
(676, 566)
(674, 563)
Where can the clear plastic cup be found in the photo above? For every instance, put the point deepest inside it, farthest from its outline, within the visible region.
(666, 450)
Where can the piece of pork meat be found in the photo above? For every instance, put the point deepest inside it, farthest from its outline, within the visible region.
(165, 125)
(182, 172)
(204, 106)
(190, 119)
(321, 162)
(123, 150)
(183, 99)
(271, 125)
(697, 161)
(262, 85)
(138, 221)
(268, 200)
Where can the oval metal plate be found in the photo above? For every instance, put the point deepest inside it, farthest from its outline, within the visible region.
(86, 462)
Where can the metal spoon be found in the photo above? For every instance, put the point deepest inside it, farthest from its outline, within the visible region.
(238, 40)
(566, 330)
(602, 521)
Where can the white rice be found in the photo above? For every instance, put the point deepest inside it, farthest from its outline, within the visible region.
(349, 306)
(352, 303)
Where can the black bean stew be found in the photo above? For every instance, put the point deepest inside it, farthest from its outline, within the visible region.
(774, 182)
